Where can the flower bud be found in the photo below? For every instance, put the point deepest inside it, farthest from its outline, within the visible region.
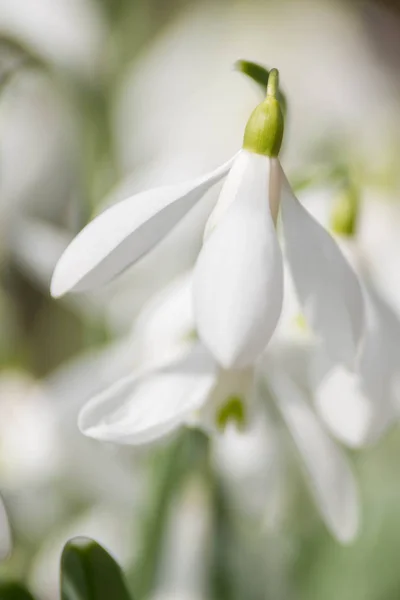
(264, 130)
(344, 216)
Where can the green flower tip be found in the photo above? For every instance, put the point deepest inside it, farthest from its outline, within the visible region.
(264, 130)
(273, 83)
(345, 212)
(232, 411)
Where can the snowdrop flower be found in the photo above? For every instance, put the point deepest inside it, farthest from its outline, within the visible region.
(238, 280)
(191, 388)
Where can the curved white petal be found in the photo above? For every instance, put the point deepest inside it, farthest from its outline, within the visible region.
(120, 235)
(5, 533)
(345, 408)
(165, 328)
(358, 406)
(331, 479)
(238, 279)
(141, 408)
(327, 287)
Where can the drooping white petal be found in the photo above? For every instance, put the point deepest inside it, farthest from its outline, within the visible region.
(5, 533)
(238, 279)
(120, 235)
(141, 408)
(344, 407)
(327, 287)
(359, 405)
(331, 479)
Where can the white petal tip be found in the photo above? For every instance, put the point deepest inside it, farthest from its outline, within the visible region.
(231, 358)
(56, 290)
(347, 534)
(60, 281)
(86, 428)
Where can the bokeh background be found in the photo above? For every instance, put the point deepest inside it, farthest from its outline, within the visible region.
(101, 98)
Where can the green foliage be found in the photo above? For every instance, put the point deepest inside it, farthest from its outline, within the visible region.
(88, 572)
(14, 591)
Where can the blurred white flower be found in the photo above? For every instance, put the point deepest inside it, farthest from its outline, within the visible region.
(191, 388)
(69, 33)
(47, 468)
(29, 449)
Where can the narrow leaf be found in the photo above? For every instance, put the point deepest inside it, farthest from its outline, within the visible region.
(14, 591)
(88, 572)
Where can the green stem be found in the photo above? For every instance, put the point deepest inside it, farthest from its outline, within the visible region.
(222, 580)
(187, 453)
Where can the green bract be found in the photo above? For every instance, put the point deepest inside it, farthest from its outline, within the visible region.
(264, 130)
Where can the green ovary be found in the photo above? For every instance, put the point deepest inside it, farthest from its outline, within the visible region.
(232, 411)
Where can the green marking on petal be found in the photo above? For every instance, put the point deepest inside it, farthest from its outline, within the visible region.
(232, 411)
(300, 322)
(191, 336)
(264, 130)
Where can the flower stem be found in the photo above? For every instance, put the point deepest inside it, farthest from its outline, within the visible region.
(187, 453)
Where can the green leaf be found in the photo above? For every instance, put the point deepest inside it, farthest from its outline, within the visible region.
(14, 591)
(88, 572)
(260, 75)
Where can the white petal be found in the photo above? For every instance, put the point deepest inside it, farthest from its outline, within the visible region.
(5, 533)
(331, 479)
(358, 406)
(327, 287)
(165, 328)
(344, 407)
(119, 236)
(141, 408)
(238, 279)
